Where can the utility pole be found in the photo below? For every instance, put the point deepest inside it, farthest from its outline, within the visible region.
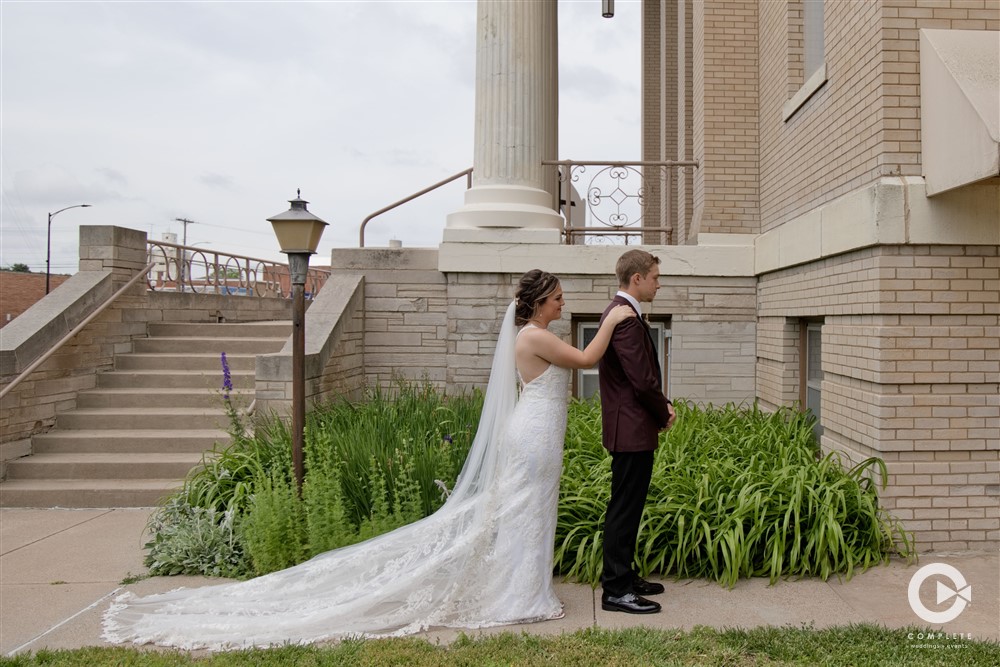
(185, 222)
(182, 254)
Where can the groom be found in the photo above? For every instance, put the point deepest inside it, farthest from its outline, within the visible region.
(633, 412)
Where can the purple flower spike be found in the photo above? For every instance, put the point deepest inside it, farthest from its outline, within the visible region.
(227, 378)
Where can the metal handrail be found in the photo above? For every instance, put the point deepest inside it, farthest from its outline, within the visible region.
(77, 329)
(364, 223)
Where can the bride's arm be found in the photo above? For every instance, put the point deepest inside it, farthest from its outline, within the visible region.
(546, 345)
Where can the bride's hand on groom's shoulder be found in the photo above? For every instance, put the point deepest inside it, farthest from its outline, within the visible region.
(621, 313)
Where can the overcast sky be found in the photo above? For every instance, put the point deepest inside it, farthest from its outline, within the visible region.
(218, 111)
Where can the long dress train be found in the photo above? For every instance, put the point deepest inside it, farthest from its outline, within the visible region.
(483, 559)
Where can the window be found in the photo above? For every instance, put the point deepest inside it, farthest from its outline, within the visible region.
(812, 371)
(813, 38)
(586, 382)
(806, 52)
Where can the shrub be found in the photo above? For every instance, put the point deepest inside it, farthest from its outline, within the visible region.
(736, 492)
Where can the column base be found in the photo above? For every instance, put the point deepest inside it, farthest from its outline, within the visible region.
(506, 213)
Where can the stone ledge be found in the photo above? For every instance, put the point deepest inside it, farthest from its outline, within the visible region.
(714, 260)
(891, 211)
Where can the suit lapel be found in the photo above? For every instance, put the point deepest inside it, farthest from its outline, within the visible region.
(649, 333)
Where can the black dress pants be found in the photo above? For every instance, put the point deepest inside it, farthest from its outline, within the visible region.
(630, 476)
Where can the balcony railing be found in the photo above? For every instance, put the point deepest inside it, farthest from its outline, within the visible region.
(179, 268)
(601, 202)
(618, 202)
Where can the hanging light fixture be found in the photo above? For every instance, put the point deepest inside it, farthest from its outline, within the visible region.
(607, 8)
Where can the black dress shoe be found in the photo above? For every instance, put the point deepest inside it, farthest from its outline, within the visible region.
(630, 603)
(643, 587)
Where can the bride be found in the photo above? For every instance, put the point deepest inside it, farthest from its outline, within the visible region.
(483, 559)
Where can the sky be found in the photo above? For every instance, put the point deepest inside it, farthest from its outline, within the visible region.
(218, 111)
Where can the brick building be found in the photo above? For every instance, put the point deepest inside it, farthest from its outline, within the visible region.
(836, 247)
(19, 291)
(844, 139)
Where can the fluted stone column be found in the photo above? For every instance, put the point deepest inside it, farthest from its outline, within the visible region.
(517, 92)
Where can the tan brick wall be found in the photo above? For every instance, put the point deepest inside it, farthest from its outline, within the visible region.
(685, 142)
(829, 146)
(899, 151)
(659, 98)
(911, 363)
(794, 44)
(726, 196)
(777, 361)
(864, 123)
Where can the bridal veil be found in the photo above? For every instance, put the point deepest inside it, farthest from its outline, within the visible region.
(434, 572)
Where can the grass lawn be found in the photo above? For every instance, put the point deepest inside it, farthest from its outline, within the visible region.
(857, 645)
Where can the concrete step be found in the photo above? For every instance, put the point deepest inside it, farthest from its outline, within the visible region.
(113, 441)
(103, 466)
(276, 329)
(216, 345)
(142, 418)
(185, 362)
(161, 397)
(131, 441)
(86, 493)
(173, 379)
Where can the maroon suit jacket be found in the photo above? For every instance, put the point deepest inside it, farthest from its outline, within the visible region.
(633, 407)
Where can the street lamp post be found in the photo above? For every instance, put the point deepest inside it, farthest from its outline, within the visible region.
(298, 233)
(48, 242)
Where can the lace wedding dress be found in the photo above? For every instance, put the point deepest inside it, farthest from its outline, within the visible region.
(483, 559)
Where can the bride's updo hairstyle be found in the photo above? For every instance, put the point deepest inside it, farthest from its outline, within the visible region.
(535, 286)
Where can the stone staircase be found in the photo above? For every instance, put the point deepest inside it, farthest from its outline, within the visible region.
(130, 441)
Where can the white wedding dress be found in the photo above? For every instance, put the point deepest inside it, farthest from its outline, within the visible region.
(483, 559)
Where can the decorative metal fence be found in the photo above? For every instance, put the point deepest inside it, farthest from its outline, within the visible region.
(179, 268)
(618, 202)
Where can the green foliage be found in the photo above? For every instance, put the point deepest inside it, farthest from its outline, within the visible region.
(862, 645)
(273, 529)
(370, 467)
(736, 492)
(194, 540)
(17, 267)
(225, 479)
(431, 430)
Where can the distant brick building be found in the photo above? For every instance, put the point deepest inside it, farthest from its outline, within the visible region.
(19, 291)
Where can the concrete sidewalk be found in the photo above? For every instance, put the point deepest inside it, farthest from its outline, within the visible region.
(60, 568)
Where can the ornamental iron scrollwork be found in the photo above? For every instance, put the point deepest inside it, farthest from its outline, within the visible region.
(610, 203)
(191, 269)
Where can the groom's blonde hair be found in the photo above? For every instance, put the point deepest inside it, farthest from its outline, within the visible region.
(633, 262)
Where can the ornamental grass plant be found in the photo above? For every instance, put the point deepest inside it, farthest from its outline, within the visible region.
(736, 492)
